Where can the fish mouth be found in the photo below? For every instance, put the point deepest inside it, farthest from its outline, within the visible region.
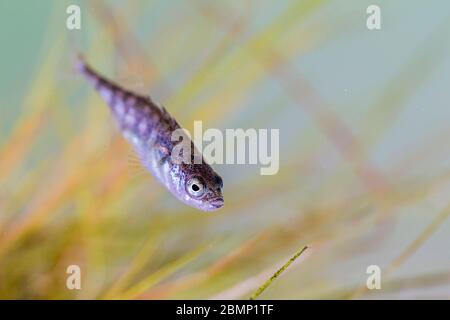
(216, 203)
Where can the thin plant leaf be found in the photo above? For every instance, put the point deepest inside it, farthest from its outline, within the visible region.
(277, 274)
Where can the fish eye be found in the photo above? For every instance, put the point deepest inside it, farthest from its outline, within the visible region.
(195, 187)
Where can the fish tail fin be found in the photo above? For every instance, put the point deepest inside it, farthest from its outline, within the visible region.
(82, 67)
(104, 87)
(79, 62)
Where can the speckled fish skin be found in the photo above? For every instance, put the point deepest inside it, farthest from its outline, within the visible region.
(148, 127)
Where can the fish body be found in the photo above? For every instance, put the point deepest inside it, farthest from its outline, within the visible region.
(149, 127)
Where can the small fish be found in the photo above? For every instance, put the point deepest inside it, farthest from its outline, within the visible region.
(148, 127)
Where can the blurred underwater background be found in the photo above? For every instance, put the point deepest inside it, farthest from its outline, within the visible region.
(364, 173)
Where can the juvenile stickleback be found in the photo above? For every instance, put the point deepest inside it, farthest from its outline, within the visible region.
(149, 127)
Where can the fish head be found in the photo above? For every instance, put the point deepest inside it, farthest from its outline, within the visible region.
(199, 186)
